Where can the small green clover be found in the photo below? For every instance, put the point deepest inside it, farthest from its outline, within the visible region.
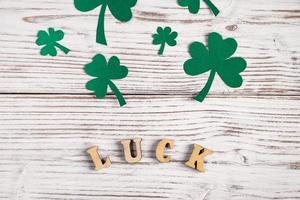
(163, 37)
(105, 73)
(120, 9)
(216, 59)
(194, 6)
(50, 42)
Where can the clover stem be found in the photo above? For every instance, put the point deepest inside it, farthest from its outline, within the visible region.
(100, 38)
(117, 92)
(213, 8)
(201, 96)
(162, 48)
(61, 47)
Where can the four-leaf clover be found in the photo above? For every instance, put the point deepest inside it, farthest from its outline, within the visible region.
(105, 72)
(50, 42)
(120, 9)
(194, 6)
(216, 59)
(163, 37)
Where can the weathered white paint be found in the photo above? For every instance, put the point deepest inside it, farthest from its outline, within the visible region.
(48, 119)
(43, 138)
(267, 34)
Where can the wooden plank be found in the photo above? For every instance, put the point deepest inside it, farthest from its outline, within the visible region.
(43, 138)
(267, 34)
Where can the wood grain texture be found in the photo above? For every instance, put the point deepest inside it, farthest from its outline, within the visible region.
(48, 119)
(267, 34)
(43, 138)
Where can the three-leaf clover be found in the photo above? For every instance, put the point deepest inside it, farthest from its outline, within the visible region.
(194, 6)
(163, 37)
(105, 72)
(216, 59)
(120, 9)
(50, 42)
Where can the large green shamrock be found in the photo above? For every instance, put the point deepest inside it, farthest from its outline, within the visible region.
(194, 6)
(120, 9)
(216, 59)
(105, 73)
(50, 41)
(163, 37)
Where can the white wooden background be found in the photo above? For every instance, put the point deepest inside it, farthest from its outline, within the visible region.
(48, 118)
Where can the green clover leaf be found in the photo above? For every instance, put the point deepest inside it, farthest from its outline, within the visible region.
(50, 41)
(120, 9)
(194, 6)
(105, 72)
(164, 36)
(216, 59)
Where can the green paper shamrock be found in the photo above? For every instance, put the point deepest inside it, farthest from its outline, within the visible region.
(194, 6)
(105, 73)
(49, 41)
(163, 37)
(216, 59)
(120, 9)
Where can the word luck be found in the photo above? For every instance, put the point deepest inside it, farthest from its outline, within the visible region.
(133, 154)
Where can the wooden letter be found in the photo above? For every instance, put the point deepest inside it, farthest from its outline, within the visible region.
(98, 162)
(161, 148)
(196, 159)
(132, 153)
